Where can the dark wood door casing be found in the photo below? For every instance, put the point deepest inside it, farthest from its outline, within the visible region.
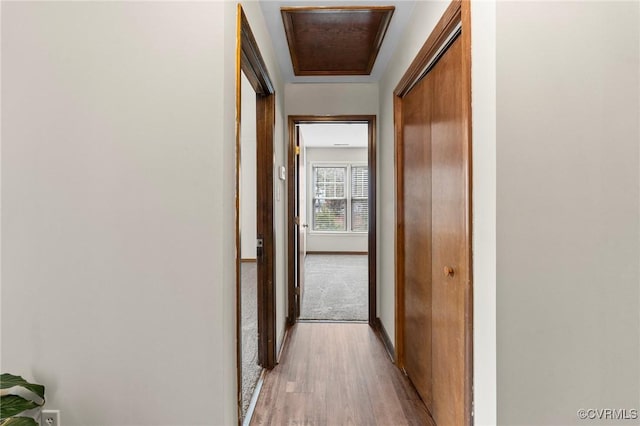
(293, 310)
(301, 234)
(292, 313)
(265, 231)
(249, 60)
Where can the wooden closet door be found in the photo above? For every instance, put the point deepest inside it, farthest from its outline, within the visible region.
(450, 243)
(417, 236)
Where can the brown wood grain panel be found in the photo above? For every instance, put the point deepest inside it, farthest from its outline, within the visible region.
(417, 239)
(318, 383)
(450, 242)
(335, 40)
(265, 106)
(372, 245)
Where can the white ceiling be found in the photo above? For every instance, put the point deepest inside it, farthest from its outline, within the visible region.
(335, 135)
(271, 11)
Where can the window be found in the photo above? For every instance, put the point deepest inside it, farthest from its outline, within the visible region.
(359, 199)
(330, 199)
(340, 198)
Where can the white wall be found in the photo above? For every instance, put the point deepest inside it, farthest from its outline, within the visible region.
(117, 278)
(118, 173)
(331, 98)
(568, 111)
(483, 107)
(425, 16)
(339, 242)
(248, 194)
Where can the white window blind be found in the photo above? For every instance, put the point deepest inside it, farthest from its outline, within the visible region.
(359, 199)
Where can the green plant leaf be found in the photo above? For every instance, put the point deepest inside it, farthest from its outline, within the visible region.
(9, 381)
(19, 421)
(10, 405)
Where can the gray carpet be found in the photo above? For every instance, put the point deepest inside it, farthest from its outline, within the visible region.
(335, 288)
(249, 306)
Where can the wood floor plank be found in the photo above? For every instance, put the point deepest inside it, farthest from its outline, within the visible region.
(334, 374)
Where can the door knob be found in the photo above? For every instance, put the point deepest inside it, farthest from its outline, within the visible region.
(448, 271)
(306, 225)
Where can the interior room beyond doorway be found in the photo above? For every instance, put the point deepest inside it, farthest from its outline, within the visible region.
(335, 220)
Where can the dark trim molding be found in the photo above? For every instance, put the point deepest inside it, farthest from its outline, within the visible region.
(251, 60)
(285, 336)
(385, 339)
(399, 225)
(265, 230)
(373, 220)
(292, 255)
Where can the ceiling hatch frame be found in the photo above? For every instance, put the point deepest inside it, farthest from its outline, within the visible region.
(335, 41)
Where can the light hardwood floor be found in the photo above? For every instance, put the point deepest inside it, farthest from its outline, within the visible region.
(334, 374)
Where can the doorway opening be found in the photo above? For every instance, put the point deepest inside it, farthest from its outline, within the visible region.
(250, 366)
(255, 266)
(331, 215)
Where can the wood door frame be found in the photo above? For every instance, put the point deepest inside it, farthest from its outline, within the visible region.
(457, 14)
(249, 60)
(291, 226)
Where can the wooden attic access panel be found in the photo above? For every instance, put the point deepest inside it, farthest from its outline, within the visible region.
(335, 40)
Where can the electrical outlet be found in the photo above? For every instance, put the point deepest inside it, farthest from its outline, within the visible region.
(50, 418)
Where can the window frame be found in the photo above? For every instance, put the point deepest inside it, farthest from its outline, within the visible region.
(348, 196)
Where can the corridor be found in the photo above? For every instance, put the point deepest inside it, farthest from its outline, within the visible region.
(337, 374)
